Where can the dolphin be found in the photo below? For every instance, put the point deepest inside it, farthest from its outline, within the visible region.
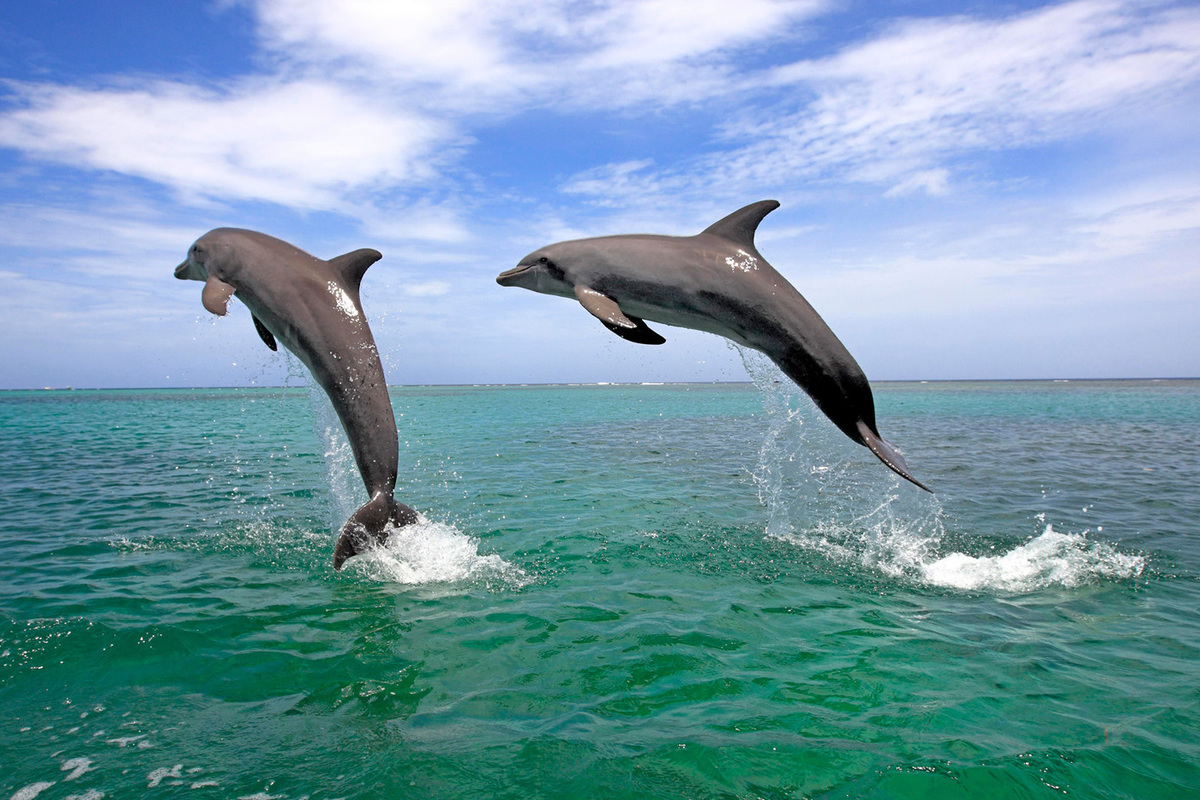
(715, 281)
(313, 308)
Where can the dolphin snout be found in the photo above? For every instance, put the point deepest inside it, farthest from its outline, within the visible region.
(190, 271)
(505, 278)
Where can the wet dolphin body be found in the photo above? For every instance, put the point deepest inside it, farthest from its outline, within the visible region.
(715, 281)
(313, 308)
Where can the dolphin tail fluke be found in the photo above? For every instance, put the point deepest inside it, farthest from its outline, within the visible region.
(889, 455)
(369, 526)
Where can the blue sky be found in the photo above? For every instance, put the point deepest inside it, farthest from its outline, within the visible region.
(969, 190)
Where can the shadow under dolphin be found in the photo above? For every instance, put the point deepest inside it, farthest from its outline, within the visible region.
(313, 308)
(715, 281)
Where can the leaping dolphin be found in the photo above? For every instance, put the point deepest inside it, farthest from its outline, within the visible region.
(313, 307)
(715, 281)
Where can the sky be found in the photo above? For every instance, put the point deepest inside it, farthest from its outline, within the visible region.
(969, 190)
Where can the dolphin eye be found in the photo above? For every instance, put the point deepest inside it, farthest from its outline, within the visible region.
(543, 260)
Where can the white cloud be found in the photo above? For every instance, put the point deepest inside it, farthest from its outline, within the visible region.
(366, 98)
(1138, 220)
(427, 288)
(625, 34)
(451, 45)
(123, 243)
(1136, 246)
(902, 108)
(471, 55)
(617, 180)
(930, 89)
(404, 223)
(930, 181)
(372, 97)
(303, 144)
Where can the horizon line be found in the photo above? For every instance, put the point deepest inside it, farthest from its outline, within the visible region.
(587, 383)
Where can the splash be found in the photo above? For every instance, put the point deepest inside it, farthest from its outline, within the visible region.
(1051, 559)
(345, 484)
(434, 552)
(424, 553)
(821, 494)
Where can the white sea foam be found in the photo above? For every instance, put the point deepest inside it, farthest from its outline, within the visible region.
(162, 773)
(433, 552)
(77, 767)
(893, 540)
(1051, 559)
(821, 494)
(32, 790)
(125, 741)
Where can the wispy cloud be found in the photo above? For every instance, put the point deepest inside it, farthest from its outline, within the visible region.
(121, 245)
(935, 88)
(303, 144)
(427, 289)
(1027, 257)
(930, 181)
(903, 109)
(361, 100)
(470, 55)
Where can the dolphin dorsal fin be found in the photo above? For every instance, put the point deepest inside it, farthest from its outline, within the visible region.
(352, 266)
(739, 227)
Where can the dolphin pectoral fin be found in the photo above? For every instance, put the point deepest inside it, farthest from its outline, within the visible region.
(641, 334)
(888, 454)
(267, 337)
(370, 525)
(215, 296)
(605, 309)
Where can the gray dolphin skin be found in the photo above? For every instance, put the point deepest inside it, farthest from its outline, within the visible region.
(313, 308)
(715, 281)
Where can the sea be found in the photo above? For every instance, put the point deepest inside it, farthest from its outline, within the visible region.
(615, 591)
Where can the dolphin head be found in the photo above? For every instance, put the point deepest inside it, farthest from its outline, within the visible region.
(205, 261)
(204, 257)
(193, 268)
(540, 271)
(214, 255)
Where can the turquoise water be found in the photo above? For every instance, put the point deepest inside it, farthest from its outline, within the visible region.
(696, 591)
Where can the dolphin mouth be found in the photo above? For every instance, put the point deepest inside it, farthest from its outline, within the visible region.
(504, 277)
(181, 271)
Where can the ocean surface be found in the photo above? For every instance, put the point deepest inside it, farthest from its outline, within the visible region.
(680, 591)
